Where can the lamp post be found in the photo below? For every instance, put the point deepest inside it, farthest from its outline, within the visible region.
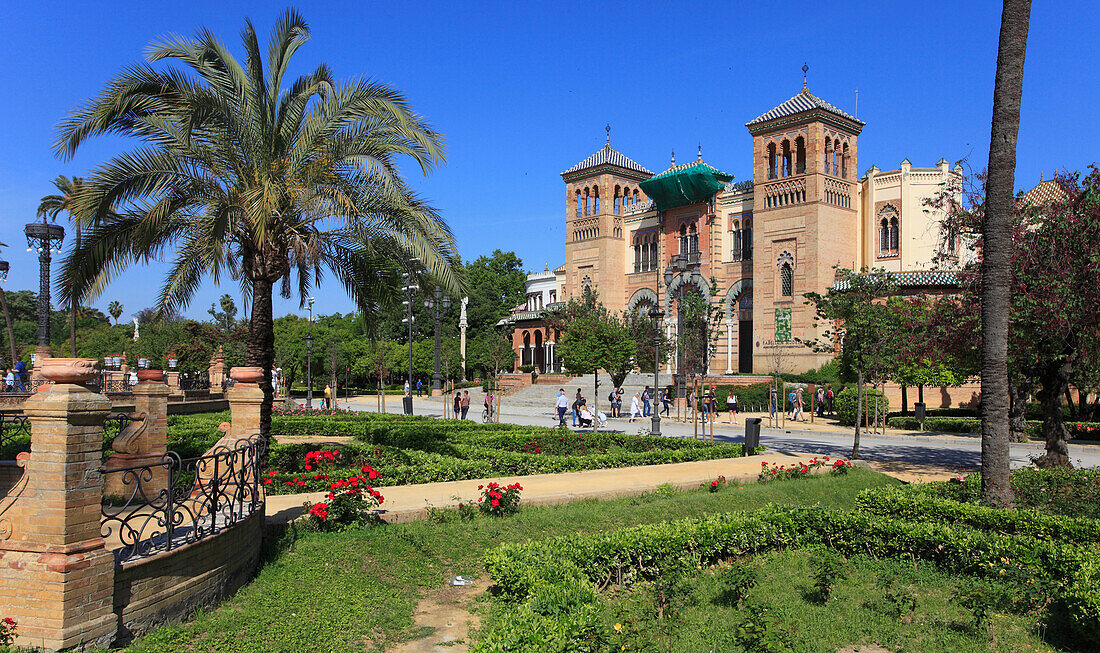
(437, 303)
(4, 266)
(409, 289)
(309, 357)
(45, 238)
(657, 314)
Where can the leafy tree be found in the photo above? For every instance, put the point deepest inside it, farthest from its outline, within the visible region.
(247, 176)
(497, 283)
(859, 329)
(226, 317)
(7, 322)
(642, 333)
(115, 309)
(996, 266)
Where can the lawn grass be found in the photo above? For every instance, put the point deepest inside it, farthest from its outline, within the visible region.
(357, 590)
(856, 614)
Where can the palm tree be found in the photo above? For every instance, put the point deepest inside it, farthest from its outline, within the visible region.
(115, 309)
(247, 176)
(7, 320)
(51, 206)
(997, 251)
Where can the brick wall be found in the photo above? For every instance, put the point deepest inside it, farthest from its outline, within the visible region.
(171, 586)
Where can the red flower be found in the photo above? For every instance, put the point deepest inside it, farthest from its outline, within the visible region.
(267, 482)
(309, 467)
(495, 503)
(273, 473)
(9, 621)
(319, 510)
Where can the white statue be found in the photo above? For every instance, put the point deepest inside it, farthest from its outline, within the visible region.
(462, 315)
(135, 329)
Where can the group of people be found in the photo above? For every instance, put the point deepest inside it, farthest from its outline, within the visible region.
(462, 404)
(709, 405)
(15, 378)
(579, 410)
(823, 403)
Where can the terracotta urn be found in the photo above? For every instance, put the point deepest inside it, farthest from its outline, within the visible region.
(247, 374)
(150, 376)
(68, 370)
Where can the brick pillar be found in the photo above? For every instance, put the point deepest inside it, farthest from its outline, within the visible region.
(56, 577)
(245, 397)
(144, 441)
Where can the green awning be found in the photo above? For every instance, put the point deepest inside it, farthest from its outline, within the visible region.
(688, 184)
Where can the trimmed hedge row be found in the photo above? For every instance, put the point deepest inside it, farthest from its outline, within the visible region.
(905, 503)
(1077, 430)
(551, 585)
(846, 401)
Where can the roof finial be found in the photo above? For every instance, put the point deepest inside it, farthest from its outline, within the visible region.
(1040, 176)
(700, 158)
(607, 128)
(673, 157)
(805, 69)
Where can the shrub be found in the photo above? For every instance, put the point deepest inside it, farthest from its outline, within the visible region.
(7, 631)
(499, 501)
(845, 403)
(717, 484)
(762, 631)
(349, 502)
(981, 599)
(736, 581)
(897, 595)
(828, 571)
(1068, 492)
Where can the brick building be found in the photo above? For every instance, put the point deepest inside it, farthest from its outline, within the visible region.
(763, 242)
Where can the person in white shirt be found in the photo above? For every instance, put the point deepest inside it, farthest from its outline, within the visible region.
(562, 405)
(9, 381)
(731, 407)
(635, 407)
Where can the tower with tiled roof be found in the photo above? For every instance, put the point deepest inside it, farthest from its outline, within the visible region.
(597, 192)
(806, 217)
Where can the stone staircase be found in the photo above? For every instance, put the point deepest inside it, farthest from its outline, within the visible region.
(542, 397)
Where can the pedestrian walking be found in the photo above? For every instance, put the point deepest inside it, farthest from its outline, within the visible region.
(829, 399)
(619, 402)
(488, 402)
(731, 406)
(664, 402)
(9, 379)
(457, 404)
(796, 408)
(772, 402)
(819, 397)
(577, 406)
(645, 402)
(465, 403)
(611, 402)
(562, 405)
(635, 407)
(328, 396)
(714, 403)
(419, 388)
(408, 390)
(20, 376)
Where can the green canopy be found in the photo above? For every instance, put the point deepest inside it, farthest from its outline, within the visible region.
(696, 182)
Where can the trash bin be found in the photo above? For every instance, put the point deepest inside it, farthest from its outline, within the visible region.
(918, 412)
(407, 402)
(752, 435)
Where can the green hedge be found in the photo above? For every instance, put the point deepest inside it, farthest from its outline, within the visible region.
(846, 401)
(1067, 492)
(427, 450)
(905, 503)
(550, 585)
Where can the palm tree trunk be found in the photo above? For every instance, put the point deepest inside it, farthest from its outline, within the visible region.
(261, 346)
(73, 302)
(997, 254)
(7, 323)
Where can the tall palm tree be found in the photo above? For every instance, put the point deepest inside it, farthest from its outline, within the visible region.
(248, 176)
(997, 250)
(7, 320)
(51, 206)
(115, 310)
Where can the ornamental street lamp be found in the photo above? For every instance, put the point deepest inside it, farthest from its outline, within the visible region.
(309, 356)
(44, 238)
(4, 266)
(437, 304)
(409, 289)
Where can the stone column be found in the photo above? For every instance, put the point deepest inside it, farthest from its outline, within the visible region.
(57, 578)
(245, 397)
(729, 346)
(144, 441)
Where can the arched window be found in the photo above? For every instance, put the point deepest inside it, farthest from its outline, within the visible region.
(596, 200)
(828, 150)
(615, 202)
(735, 240)
(836, 154)
(586, 281)
(746, 240)
(773, 166)
(579, 204)
(683, 240)
(653, 254)
(587, 194)
(786, 275)
(787, 156)
(800, 155)
(884, 236)
(844, 162)
(626, 196)
(637, 254)
(693, 239)
(894, 235)
(635, 200)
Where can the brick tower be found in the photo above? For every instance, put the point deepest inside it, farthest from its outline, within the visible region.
(806, 218)
(596, 192)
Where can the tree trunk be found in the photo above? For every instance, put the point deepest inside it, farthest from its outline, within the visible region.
(595, 399)
(997, 254)
(7, 323)
(920, 394)
(73, 304)
(859, 415)
(904, 400)
(1054, 383)
(1017, 412)
(261, 346)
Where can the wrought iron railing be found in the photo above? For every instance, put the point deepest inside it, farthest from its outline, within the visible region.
(12, 427)
(175, 501)
(201, 382)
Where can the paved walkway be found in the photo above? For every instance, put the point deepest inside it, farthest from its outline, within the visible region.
(409, 502)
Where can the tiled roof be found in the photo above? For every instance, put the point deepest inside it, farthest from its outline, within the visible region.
(804, 101)
(687, 166)
(1047, 191)
(608, 155)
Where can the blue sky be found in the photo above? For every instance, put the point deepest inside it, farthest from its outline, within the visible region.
(522, 91)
